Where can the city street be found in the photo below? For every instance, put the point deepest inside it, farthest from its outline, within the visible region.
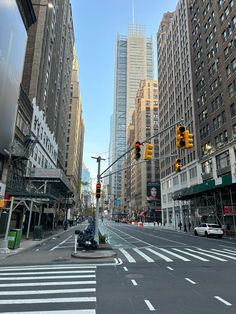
(159, 270)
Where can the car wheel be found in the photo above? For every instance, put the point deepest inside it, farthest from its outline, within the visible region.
(206, 234)
(195, 233)
(220, 236)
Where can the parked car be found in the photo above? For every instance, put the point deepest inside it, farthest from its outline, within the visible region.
(209, 229)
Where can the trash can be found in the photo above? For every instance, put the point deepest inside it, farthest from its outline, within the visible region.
(38, 233)
(14, 238)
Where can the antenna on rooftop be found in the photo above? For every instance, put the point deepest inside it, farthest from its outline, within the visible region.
(133, 10)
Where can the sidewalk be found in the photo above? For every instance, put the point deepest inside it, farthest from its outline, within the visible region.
(104, 250)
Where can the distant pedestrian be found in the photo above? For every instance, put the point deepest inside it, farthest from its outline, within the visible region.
(180, 225)
(185, 227)
(154, 223)
(102, 218)
(189, 226)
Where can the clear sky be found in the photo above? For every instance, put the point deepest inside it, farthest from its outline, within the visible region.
(96, 25)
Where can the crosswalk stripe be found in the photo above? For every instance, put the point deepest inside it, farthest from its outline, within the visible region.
(176, 255)
(48, 277)
(50, 272)
(220, 254)
(232, 251)
(49, 267)
(49, 300)
(225, 251)
(167, 259)
(33, 284)
(193, 255)
(209, 255)
(29, 292)
(147, 258)
(127, 255)
(55, 312)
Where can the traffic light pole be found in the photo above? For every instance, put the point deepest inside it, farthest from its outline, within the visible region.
(96, 235)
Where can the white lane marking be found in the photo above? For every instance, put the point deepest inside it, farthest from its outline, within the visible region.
(50, 267)
(232, 251)
(193, 255)
(52, 249)
(52, 300)
(224, 251)
(151, 235)
(134, 282)
(222, 300)
(224, 255)
(174, 254)
(28, 292)
(167, 259)
(191, 281)
(147, 258)
(170, 268)
(56, 312)
(127, 255)
(149, 305)
(47, 277)
(209, 255)
(50, 272)
(39, 284)
(36, 250)
(125, 268)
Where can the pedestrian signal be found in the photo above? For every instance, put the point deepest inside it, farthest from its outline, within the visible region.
(148, 151)
(180, 140)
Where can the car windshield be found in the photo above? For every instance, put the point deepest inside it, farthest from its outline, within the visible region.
(214, 226)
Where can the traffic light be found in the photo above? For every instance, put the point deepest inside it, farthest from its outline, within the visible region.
(148, 151)
(98, 190)
(137, 150)
(188, 138)
(180, 140)
(178, 165)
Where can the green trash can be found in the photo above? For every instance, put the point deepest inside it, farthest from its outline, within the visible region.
(14, 238)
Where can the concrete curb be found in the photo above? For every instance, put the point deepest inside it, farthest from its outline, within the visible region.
(94, 254)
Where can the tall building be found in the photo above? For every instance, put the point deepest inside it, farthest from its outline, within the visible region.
(145, 176)
(175, 103)
(213, 55)
(48, 66)
(74, 147)
(133, 62)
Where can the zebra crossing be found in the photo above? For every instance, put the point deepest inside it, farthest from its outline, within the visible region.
(185, 254)
(52, 289)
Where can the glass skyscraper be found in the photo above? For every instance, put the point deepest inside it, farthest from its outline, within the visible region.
(133, 63)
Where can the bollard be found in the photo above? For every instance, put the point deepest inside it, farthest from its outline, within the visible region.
(76, 243)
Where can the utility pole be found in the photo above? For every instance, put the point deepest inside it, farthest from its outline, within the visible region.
(96, 236)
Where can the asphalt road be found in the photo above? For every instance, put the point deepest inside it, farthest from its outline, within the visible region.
(160, 271)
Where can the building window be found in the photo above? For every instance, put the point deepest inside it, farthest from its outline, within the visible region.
(207, 167)
(222, 160)
(232, 110)
(193, 173)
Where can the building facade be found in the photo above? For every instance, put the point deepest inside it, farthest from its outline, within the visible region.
(176, 107)
(134, 62)
(48, 66)
(74, 146)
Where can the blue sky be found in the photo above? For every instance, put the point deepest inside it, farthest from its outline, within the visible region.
(96, 24)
